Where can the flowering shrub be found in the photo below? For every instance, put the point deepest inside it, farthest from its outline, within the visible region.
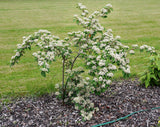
(102, 53)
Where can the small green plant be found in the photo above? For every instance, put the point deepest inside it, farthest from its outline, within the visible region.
(158, 122)
(152, 76)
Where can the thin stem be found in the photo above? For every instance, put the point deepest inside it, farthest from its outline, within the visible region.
(63, 78)
(75, 60)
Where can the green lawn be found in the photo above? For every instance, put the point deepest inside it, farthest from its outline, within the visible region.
(136, 21)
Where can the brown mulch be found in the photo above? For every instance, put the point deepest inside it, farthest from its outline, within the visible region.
(121, 99)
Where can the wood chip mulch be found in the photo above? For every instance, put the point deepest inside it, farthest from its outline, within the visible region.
(121, 99)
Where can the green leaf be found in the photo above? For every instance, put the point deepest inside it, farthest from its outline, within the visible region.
(142, 78)
(158, 64)
(153, 76)
(146, 83)
(43, 73)
(148, 77)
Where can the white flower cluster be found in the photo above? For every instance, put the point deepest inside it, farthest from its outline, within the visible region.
(83, 8)
(148, 48)
(131, 52)
(135, 46)
(143, 47)
(50, 47)
(79, 91)
(91, 21)
(106, 10)
(112, 67)
(105, 47)
(118, 56)
(96, 49)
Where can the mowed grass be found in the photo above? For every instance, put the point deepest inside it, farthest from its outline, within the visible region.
(136, 21)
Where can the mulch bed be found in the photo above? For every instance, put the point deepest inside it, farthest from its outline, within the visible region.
(121, 99)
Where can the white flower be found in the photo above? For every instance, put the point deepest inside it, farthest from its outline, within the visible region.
(97, 50)
(126, 47)
(57, 86)
(135, 46)
(93, 62)
(96, 109)
(83, 14)
(82, 7)
(116, 47)
(101, 73)
(122, 61)
(105, 70)
(84, 46)
(142, 47)
(149, 49)
(104, 10)
(95, 79)
(43, 31)
(131, 52)
(17, 54)
(40, 63)
(13, 57)
(103, 86)
(44, 69)
(91, 105)
(127, 61)
(69, 33)
(100, 78)
(112, 67)
(98, 57)
(88, 63)
(86, 11)
(35, 54)
(57, 93)
(70, 93)
(153, 48)
(108, 82)
(153, 51)
(81, 51)
(91, 57)
(107, 47)
(109, 5)
(47, 65)
(98, 89)
(36, 40)
(80, 85)
(89, 116)
(102, 63)
(79, 4)
(94, 67)
(86, 30)
(102, 45)
(110, 74)
(76, 107)
(118, 37)
(24, 37)
(87, 78)
(127, 70)
(19, 46)
(43, 53)
(83, 113)
(109, 30)
(77, 99)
